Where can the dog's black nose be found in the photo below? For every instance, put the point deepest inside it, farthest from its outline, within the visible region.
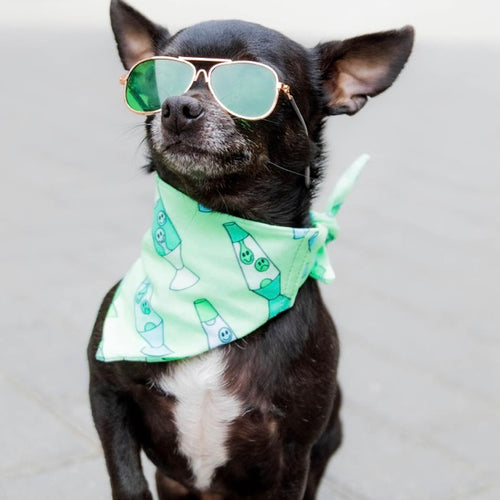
(179, 112)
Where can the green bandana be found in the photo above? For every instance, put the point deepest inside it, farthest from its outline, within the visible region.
(207, 278)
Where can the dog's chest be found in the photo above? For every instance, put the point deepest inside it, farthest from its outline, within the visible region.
(203, 413)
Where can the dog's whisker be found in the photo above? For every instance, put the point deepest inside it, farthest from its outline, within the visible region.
(142, 141)
(269, 162)
(272, 122)
(135, 126)
(221, 196)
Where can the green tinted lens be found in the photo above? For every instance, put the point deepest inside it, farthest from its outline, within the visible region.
(245, 89)
(152, 81)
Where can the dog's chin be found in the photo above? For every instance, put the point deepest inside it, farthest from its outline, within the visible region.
(200, 164)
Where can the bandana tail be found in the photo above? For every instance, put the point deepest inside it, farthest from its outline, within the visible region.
(345, 184)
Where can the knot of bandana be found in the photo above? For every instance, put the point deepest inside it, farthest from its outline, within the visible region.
(322, 269)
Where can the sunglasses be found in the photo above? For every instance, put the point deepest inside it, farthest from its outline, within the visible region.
(245, 89)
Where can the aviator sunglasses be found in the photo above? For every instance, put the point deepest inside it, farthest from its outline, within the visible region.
(245, 89)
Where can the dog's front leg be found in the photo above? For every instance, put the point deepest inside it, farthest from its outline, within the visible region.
(112, 416)
(294, 478)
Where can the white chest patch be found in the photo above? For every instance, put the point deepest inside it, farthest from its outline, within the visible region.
(203, 413)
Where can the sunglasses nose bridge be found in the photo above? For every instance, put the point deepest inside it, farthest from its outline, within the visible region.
(201, 72)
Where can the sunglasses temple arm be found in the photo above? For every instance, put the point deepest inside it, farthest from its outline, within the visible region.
(307, 173)
(298, 113)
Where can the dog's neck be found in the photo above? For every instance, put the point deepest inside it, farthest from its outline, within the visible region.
(271, 198)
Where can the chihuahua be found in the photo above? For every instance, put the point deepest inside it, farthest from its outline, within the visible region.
(255, 417)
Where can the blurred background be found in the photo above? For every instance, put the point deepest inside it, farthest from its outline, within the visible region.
(416, 298)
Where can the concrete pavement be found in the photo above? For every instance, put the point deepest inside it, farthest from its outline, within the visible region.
(416, 296)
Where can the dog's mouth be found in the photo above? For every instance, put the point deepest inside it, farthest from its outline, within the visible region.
(189, 159)
(179, 148)
(209, 152)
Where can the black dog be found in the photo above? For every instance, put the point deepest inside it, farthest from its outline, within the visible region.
(259, 421)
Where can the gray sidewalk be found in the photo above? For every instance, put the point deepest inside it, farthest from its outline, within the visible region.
(416, 298)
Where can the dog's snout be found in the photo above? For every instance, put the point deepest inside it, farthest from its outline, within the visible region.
(180, 112)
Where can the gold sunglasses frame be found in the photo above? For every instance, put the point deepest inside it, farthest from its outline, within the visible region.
(280, 86)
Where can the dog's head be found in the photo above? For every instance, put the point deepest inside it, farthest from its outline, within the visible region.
(255, 168)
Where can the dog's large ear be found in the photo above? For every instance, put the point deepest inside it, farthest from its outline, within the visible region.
(355, 69)
(136, 37)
